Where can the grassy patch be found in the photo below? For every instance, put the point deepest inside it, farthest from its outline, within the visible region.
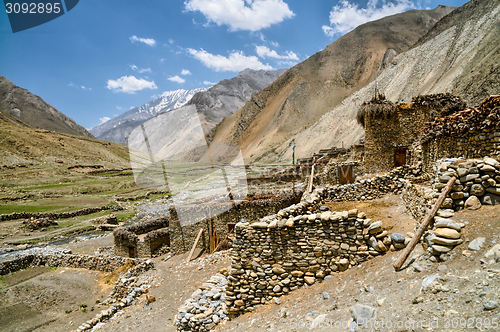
(124, 216)
(4, 209)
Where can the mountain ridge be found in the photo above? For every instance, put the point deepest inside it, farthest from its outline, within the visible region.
(33, 110)
(315, 86)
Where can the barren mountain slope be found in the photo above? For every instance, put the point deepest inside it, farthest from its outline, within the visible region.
(34, 111)
(228, 96)
(21, 145)
(307, 91)
(461, 56)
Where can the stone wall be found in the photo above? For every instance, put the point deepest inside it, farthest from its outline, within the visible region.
(183, 237)
(477, 184)
(61, 215)
(381, 137)
(297, 246)
(369, 189)
(475, 144)
(61, 258)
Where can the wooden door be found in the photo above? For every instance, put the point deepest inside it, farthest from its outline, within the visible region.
(346, 174)
(399, 157)
(131, 252)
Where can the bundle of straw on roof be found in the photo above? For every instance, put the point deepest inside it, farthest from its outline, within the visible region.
(382, 109)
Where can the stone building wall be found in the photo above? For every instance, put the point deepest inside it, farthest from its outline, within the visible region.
(381, 137)
(475, 144)
(182, 237)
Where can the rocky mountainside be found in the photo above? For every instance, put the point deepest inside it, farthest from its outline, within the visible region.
(213, 105)
(117, 129)
(314, 87)
(460, 55)
(34, 111)
(21, 144)
(228, 96)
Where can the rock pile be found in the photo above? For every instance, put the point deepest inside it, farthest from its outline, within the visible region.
(38, 223)
(125, 293)
(205, 308)
(445, 236)
(107, 219)
(478, 182)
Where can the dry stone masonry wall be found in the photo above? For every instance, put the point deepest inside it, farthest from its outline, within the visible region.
(61, 258)
(299, 246)
(369, 189)
(183, 237)
(62, 215)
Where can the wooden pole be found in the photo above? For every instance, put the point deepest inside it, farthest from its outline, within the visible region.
(420, 231)
(194, 245)
(310, 184)
(210, 236)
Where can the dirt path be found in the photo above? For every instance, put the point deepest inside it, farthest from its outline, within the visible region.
(36, 299)
(174, 282)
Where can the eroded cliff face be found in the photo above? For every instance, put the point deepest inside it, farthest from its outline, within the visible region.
(460, 56)
(306, 92)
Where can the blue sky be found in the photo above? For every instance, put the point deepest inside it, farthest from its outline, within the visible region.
(106, 56)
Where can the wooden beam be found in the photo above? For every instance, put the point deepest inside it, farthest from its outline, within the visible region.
(194, 245)
(420, 231)
(311, 178)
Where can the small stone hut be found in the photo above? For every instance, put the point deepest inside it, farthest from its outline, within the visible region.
(391, 129)
(141, 240)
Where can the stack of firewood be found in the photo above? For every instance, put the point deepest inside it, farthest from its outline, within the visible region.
(486, 115)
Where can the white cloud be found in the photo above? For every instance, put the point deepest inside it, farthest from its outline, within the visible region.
(119, 108)
(71, 84)
(147, 41)
(208, 83)
(250, 15)
(104, 119)
(140, 70)
(177, 79)
(345, 16)
(237, 61)
(185, 72)
(264, 51)
(130, 84)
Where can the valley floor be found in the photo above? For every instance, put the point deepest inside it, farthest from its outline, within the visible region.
(465, 287)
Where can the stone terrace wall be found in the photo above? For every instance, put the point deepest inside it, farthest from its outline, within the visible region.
(370, 188)
(61, 215)
(475, 144)
(283, 252)
(182, 238)
(61, 258)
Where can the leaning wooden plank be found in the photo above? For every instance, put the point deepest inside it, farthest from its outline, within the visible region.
(420, 231)
(194, 245)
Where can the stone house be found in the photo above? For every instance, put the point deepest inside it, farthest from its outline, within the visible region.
(391, 129)
(141, 240)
